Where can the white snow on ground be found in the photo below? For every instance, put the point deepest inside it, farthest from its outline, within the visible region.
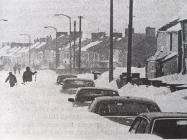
(40, 110)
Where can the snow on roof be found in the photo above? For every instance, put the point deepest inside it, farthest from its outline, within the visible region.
(40, 45)
(34, 45)
(172, 54)
(4, 50)
(22, 50)
(14, 51)
(76, 43)
(176, 27)
(90, 45)
(11, 50)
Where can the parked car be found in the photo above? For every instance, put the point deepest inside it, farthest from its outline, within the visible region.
(166, 125)
(60, 78)
(85, 95)
(70, 85)
(122, 109)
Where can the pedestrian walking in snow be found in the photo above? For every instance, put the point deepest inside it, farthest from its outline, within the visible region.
(12, 79)
(27, 75)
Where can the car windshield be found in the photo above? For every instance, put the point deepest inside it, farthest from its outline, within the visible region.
(126, 108)
(170, 128)
(79, 83)
(90, 94)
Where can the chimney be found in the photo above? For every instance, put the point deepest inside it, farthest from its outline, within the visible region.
(127, 31)
(150, 31)
(98, 36)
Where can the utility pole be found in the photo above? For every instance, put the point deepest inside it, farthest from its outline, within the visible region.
(80, 36)
(74, 44)
(129, 40)
(70, 55)
(111, 43)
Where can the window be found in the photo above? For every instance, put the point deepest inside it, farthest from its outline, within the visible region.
(170, 128)
(91, 94)
(171, 41)
(142, 126)
(128, 108)
(135, 125)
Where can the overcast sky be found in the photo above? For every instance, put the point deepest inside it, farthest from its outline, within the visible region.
(30, 16)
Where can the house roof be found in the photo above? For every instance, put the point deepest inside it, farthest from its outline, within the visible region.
(160, 56)
(169, 25)
(88, 46)
(171, 55)
(176, 27)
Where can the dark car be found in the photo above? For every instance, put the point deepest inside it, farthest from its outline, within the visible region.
(70, 85)
(122, 109)
(163, 124)
(84, 96)
(60, 78)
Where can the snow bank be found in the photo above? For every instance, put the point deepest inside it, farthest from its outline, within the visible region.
(103, 80)
(174, 78)
(162, 96)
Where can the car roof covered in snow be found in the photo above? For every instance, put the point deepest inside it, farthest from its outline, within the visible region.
(83, 79)
(156, 115)
(61, 75)
(124, 98)
(97, 88)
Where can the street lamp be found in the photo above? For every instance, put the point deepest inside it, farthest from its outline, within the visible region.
(29, 37)
(56, 48)
(69, 33)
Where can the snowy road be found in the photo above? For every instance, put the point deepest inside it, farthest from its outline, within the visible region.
(40, 110)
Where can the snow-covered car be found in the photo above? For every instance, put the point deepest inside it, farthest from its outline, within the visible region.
(85, 95)
(164, 124)
(61, 77)
(70, 85)
(122, 109)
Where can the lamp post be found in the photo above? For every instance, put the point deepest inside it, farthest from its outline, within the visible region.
(29, 37)
(69, 34)
(56, 48)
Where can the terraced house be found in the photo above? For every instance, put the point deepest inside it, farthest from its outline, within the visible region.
(171, 53)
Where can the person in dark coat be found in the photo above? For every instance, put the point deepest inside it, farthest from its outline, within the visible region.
(27, 75)
(12, 79)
